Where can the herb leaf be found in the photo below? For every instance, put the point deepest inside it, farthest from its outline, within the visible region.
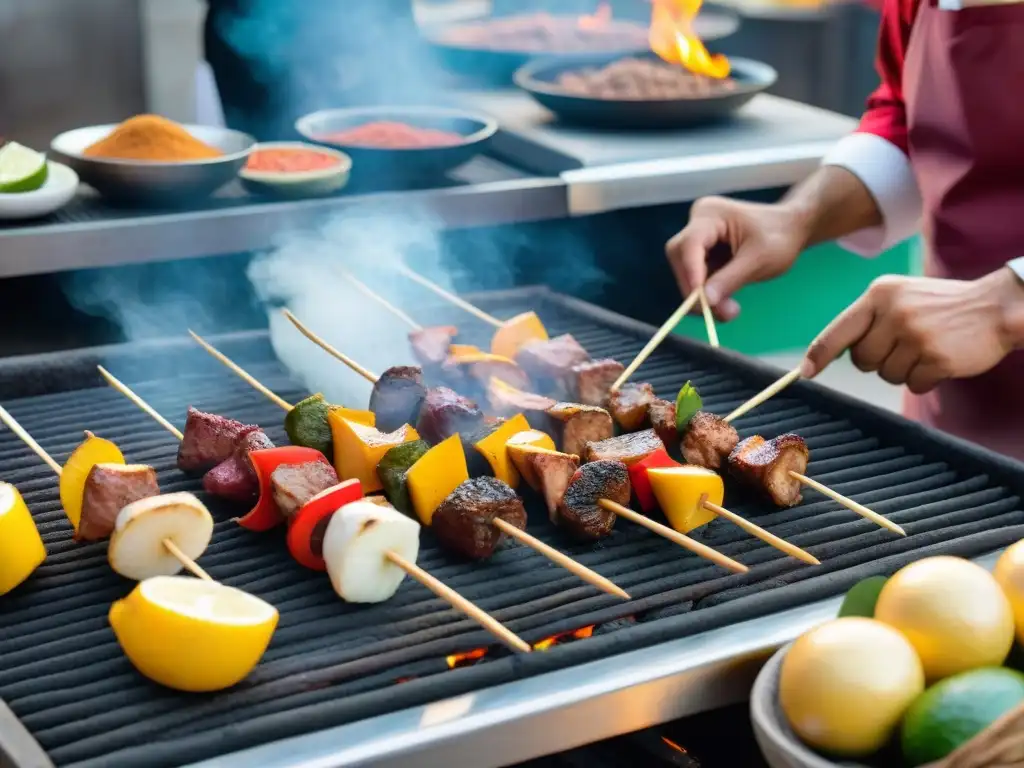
(688, 402)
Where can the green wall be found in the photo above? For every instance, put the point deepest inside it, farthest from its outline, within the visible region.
(786, 314)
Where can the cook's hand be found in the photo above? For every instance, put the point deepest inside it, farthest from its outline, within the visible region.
(764, 241)
(920, 331)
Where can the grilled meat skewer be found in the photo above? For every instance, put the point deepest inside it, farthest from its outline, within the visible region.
(767, 464)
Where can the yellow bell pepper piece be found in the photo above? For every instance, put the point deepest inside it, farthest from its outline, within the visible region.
(459, 350)
(522, 443)
(21, 547)
(514, 333)
(94, 450)
(369, 418)
(439, 471)
(358, 448)
(681, 491)
(494, 448)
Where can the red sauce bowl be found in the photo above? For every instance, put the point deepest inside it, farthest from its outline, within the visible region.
(297, 169)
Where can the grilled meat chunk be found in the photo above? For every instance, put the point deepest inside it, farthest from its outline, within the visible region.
(430, 345)
(464, 523)
(472, 374)
(662, 414)
(629, 448)
(766, 464)
(579, 513)
(234, 479)
(445, 412)
(397, 397)
(708, 440)
(109, 488)
(594, 380)
(553, 471)
(550, 363)
(507, 400)
(208, 440)
(629, 403)
(581, 424)
(295, 484)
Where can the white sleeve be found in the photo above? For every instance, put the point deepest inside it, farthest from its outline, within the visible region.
(885, 170)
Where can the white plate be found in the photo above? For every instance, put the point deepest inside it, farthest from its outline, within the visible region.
(61, 185)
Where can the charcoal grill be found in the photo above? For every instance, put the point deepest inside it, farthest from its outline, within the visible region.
(346, 685)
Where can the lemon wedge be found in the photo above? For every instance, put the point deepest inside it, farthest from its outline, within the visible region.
(192, 635)
(21, 548)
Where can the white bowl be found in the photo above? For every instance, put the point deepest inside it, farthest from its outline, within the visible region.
(300, 183)
(61, 185)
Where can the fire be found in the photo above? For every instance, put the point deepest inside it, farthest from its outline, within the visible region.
(673, 745)
(598, 18)
(673, 39)
(578, 634)
(465, 659)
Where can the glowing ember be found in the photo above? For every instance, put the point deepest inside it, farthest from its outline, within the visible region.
(673, 745)
(598, 18)
(465, 659)
(578, 634)
(672, 37)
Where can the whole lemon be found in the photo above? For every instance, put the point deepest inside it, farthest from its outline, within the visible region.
(1009, 575)
(953, 613)
(845, 685)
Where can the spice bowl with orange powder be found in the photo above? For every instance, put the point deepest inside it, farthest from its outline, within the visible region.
(149, 160)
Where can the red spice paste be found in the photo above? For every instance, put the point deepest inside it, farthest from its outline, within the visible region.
(290, 160)
(392, 135)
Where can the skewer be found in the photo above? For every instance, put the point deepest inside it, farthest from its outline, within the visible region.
(672, 535)
(755, 530)
(448, 296)
(240, 372)
(12, 424)
(367, 291)
(337, 354)
(765, 394)
(709, 319)
(850, 504)
(138, 401)
(657, 338)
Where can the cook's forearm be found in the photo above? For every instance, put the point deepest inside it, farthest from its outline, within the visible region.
(832, 203)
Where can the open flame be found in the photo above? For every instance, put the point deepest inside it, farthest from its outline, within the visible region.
(465, 659)
(598, 18)
(576, 634)
(673, 745)
(672, 37)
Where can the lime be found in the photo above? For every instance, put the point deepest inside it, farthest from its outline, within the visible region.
(861, 599)
(952, 712)
(21, 169)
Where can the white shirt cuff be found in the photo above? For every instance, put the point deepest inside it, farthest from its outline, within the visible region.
(885, 170)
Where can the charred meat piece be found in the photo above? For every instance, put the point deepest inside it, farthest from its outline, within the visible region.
(108, 489)
(295, 484)
(766, 464)
(594, 380)
(471, 374)
(464, 523)
(629, 448)
(629, 404)
(430, 345)
(553, 472)
(507, 400)
(445, 412)
(579, 513)
(662, 414)
(234, 479)
(208, 440)
(397, 397)
(581, 424)
(551, 362)
(709, 440)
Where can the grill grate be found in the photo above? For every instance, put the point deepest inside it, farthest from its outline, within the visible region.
(64, 677)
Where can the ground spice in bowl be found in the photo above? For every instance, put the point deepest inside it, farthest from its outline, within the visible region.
(386, 134)
(154, 138)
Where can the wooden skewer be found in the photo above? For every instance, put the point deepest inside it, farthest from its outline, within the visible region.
(850, 504)
(448, 594)
(765, 394)
(674, 536)
(240, 372)
(709, 319)
(365, 289)
(138, 401)
(448, 296)
(657, 338)
(17, 429)
(768, 538)
(366, 374)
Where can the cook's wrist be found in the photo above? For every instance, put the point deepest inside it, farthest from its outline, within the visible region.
(1008, 285)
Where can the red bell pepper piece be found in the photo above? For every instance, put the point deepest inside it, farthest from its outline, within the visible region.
(265, 515)
(306, 532)
(641, 484)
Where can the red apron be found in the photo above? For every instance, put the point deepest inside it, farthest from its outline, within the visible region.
(963, 84)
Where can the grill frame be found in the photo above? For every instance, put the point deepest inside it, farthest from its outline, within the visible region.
(722, 652)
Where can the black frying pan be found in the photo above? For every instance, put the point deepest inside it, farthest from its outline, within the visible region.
(539, 79)
(497, 66)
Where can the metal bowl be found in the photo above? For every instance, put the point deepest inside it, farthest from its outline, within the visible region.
(539, 79)
(401, 164)
(779, 745)
(155, 183)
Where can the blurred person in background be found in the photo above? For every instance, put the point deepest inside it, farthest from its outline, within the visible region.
(938, 148)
